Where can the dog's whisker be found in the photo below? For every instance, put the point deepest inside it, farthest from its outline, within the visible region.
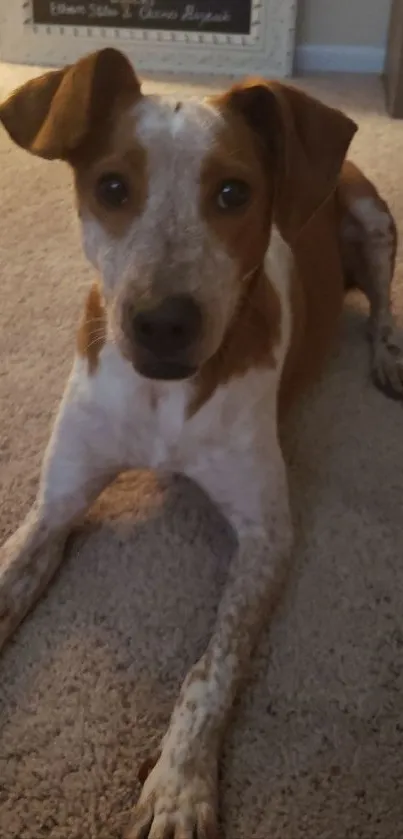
(99, 330)
(95, 338)
(94, 342)
(91, 320)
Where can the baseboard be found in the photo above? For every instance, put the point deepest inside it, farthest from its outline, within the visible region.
(315, 58)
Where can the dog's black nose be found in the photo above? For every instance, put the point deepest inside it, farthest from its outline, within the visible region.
(170, 328)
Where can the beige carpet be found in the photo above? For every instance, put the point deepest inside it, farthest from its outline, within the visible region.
(315, 750)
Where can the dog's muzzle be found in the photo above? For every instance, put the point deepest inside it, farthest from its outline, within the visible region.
(164, 337)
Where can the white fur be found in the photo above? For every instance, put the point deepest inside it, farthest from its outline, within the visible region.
(373, 217)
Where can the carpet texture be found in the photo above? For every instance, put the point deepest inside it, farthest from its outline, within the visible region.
(315, 749)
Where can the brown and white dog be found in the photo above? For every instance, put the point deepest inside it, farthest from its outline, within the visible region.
(223, 233)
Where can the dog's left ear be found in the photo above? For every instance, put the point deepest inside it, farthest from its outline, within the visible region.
(52, 115)
(304, 140)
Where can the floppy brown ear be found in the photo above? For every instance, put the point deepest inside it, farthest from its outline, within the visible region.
(51, 116)
(305, 140)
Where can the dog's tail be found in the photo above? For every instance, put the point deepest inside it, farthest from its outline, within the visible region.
(368, 247)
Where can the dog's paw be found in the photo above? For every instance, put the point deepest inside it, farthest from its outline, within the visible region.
(387, 366)
(179, 803)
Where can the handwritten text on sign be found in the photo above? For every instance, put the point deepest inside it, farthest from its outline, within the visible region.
(229, 16)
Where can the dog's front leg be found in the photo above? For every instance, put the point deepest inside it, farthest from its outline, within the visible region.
(77, 466)
(179, 796)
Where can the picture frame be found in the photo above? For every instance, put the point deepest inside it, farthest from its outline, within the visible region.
(199, 37)
(393, 75)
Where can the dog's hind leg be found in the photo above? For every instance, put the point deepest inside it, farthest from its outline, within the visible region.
(368, 240)
(75, 470)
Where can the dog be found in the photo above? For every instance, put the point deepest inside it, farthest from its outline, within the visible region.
(224, 234)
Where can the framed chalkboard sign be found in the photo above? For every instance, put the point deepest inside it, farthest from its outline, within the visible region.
(229, 16)
(225, 37)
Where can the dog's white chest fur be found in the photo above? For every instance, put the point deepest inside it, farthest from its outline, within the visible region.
(146, 424)
(161, 413)
(170, 417)
(146, 419)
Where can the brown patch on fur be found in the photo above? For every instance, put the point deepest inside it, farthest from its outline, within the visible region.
(253, 333)
(254, 329)
(317, 296)
(302, 141)
(91, 335)
(81, 114)
(115, 151)
(52, 116)
(236, 156)
(299, 145)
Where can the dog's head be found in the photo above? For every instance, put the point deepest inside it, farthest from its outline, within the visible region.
(176, 199)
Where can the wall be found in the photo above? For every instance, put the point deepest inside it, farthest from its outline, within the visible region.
(358, 26)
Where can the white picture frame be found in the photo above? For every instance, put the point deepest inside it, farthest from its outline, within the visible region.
(268, 50)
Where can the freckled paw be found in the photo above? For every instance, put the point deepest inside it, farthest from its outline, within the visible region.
(175, 804)
(387, 368)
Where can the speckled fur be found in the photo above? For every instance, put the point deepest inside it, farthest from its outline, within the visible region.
(141, 265)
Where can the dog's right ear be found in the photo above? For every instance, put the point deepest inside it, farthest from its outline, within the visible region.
(306, 142)
(52, 115)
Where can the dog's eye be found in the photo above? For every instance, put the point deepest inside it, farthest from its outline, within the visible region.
(232, 195)
(112, 190)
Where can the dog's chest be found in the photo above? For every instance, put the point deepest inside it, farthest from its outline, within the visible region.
(147, 425)
(162, 419)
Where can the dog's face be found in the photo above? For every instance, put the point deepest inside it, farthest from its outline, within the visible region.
(175, 209)
(176, 199)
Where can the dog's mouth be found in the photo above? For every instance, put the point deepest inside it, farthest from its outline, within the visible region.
(169, 371)
(152, 367)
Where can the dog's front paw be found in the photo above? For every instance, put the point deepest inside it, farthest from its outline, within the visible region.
(387, 364)
(176, 802)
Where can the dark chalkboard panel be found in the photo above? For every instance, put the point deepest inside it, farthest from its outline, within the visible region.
(225, 16)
